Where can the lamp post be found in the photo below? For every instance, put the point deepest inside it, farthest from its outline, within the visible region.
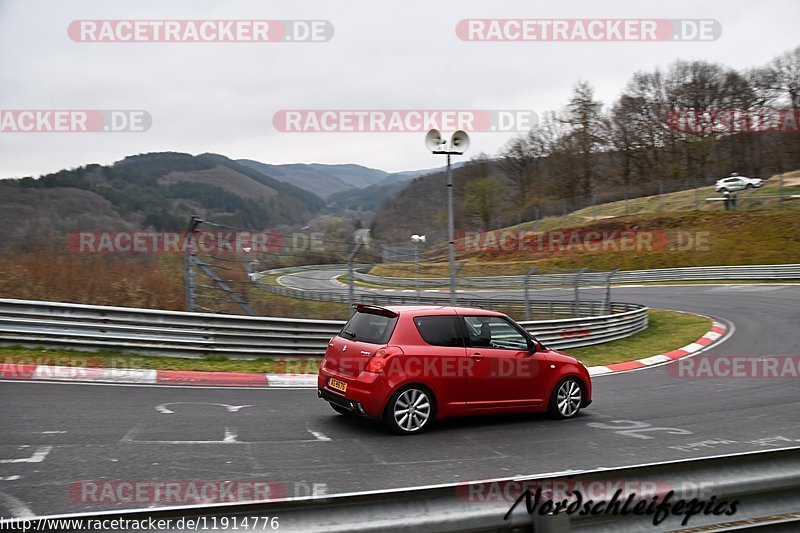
(458, 144)
(417, 240)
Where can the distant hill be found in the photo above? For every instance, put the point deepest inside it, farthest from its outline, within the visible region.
(322, 180)
(371, 198)
(364, 200)
(155, 190)
(337, 182)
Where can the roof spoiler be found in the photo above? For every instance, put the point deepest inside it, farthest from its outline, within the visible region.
(375, 310)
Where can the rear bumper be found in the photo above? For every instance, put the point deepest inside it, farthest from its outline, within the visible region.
(367, 394)
(351, 405)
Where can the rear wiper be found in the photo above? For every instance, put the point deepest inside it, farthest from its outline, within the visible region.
(349, 333)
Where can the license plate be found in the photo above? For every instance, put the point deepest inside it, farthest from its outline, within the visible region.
(337, 384)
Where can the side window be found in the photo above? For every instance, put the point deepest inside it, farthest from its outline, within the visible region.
(494, 332)
(439, 330)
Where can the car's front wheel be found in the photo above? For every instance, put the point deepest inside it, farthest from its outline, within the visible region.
(410, 410)
(567, 398)
(749, 186)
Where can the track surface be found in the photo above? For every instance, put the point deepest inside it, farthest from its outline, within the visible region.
(64, 433)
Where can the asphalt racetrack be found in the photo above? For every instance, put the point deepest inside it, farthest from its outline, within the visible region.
(56, 435)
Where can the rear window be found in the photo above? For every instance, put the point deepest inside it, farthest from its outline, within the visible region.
(439, 330)
(369, 327)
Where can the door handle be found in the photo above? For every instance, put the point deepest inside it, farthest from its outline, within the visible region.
(476, 356)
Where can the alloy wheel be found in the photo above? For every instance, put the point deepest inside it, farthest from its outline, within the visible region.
(412, 410)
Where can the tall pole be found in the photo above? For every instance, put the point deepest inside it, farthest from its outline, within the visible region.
(451, 250)
(189, 262)
(457, 146)
(351, 291)
(416, 268)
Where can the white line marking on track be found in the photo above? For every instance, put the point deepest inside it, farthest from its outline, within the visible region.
(319, 436)
(37, 457)
(17, 508)
(10, 478)
(52, 432)
(230, 436)
(162, 408)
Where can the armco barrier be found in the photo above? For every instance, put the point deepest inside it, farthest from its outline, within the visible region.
(744, 272)
(91, 327)
(760, 488)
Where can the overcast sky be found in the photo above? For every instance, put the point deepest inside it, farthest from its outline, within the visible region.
(221, 97)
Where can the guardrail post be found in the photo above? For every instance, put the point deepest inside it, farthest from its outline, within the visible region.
(577, 301)
(607, 305)
(527, 299)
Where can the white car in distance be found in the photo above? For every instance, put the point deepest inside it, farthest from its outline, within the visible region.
(738, 183)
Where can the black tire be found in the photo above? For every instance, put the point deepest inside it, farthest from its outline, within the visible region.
(749, 186)
(723, 190)
(565, 391)
(421, 416)
(341, 410)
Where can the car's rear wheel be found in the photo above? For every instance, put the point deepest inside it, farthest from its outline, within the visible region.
(410, 410)
(341, 410)
(567, 398)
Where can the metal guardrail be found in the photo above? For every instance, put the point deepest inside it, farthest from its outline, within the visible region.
(150, 331)
(765, 486)
(745, 272)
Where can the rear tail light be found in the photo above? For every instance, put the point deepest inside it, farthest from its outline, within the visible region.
(378, 361)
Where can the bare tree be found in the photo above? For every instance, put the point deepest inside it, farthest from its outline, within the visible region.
(584, 115)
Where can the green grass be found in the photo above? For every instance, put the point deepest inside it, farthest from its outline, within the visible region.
(770, 236)
(668, 330)
(269, 304)
(114, 359)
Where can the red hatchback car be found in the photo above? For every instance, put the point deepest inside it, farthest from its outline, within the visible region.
(411, 365)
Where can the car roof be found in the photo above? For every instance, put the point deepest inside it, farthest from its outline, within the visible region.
(431, 310)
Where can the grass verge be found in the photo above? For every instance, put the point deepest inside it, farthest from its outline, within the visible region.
(668, 330)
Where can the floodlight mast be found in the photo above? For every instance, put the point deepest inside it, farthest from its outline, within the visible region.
(458, 144)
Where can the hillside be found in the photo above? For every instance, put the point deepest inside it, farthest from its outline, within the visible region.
(156, 190)
(322, 180)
